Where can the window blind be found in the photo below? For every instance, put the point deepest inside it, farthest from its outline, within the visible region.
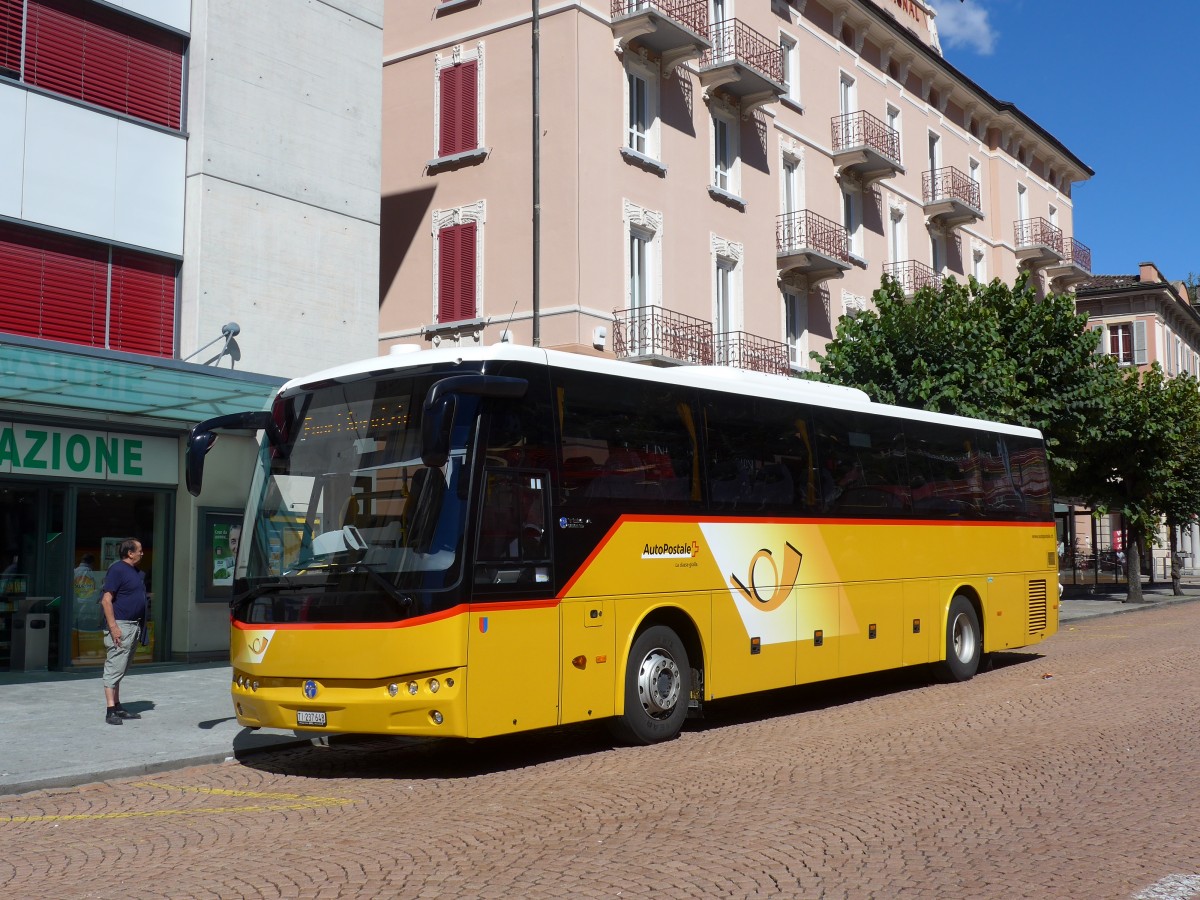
(456, 272)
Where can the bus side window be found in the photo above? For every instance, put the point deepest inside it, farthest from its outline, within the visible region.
(626, 442)
(512, 525)
(759, 455)
(862, 462)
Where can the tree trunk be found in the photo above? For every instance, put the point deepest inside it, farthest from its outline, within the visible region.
(1133, 572)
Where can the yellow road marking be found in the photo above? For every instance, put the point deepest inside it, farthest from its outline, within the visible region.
(288, 802)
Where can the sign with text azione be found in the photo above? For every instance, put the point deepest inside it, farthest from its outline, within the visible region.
(101, 455)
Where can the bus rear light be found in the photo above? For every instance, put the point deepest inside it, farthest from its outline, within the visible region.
(436, 716)
(434, 685)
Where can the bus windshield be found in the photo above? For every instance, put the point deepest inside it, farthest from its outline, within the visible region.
(345, 521)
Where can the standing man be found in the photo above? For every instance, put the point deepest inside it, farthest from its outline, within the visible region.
(124, 606)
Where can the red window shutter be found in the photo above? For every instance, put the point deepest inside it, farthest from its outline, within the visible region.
(456, 272)
(98, 55)
(52, 287)
(10, 36)
(142, 309)
(466, 271)
(458, 115)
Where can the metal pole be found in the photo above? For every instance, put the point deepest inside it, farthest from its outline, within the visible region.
(537, 178)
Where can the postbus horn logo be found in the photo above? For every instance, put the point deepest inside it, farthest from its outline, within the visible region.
(783, 586)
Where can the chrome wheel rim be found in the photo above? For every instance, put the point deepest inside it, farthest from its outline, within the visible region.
(658, 683)
(963, 636)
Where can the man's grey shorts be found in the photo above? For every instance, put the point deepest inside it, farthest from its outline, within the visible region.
(117, 660)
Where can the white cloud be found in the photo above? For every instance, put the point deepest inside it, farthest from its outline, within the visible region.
(966, 25)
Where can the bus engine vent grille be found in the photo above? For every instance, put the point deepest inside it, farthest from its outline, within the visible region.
(1037, 606)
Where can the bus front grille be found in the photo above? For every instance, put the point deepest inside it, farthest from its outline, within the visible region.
(1037, 606)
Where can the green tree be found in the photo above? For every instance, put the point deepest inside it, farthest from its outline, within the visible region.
(1146, 462)
(988, 351)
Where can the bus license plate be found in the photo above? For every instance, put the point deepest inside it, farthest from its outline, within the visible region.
(308, 717)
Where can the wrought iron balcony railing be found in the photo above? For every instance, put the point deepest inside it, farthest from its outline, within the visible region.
(949, 183)
(733, 41)
(804, 230)
(861, 129)
(651, 331)
(692, 14)
(912, 275)
(1079, 254)
(750, 351)
(1038, 232)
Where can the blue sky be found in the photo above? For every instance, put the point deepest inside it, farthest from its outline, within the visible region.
(1116, 82)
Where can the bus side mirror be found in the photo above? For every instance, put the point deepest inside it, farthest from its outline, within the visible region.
(202, 438)
(439, 409)
(198, 445)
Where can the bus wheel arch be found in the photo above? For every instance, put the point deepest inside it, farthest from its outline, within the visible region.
(661, 669)
(963, 636)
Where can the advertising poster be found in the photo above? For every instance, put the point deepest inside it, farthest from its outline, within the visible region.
(220, 538)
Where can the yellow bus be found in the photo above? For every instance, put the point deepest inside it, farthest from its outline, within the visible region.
(473, 542)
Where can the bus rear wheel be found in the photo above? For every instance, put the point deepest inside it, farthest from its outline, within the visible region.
(657, 688)
(964, 640)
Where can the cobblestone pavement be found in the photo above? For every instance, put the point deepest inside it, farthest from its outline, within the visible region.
(1069, 771)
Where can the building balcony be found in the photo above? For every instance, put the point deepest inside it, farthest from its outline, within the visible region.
(750, 351)
(743, 63)
(658, 336)
(912, 276)
(810, 248)
(1075, 267)
(1037, 243)
(950, 197)
(677, 30)
(865, 149)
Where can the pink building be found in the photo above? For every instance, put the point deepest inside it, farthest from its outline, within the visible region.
(719, 182)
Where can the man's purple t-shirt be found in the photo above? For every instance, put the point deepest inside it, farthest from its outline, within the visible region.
(125, 583)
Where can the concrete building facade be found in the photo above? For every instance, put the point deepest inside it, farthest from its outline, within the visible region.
(189, 214)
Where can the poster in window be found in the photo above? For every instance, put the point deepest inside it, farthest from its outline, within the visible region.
(220, 538)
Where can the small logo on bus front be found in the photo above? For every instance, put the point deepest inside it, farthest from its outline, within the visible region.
(310, 689)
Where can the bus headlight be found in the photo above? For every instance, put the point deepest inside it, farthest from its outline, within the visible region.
(434, 685)
(413, 687)
(436, 716)
(393, 689)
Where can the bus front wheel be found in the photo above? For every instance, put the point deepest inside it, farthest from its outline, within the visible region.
(657, 688)
(964, 640)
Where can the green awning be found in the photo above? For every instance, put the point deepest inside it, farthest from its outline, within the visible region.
(71, 377)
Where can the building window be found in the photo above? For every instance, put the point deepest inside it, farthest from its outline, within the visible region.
(458, 101)
(795, 313)
(979, 264)
(852, 219)
(83, 292)
(893, 118)
(727, 285)
(97, 55)
(726, 176)
(791, 68)
(643, 242)
(641, 108)
(1127, 343)
(458, 263)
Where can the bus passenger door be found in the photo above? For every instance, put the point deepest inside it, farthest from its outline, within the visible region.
(588, 663)
(513, 642)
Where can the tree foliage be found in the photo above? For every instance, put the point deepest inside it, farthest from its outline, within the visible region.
(1146, 464)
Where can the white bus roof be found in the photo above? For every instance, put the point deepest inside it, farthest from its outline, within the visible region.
(719, 378)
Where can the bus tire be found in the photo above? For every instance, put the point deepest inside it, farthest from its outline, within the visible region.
(964, 640)
(657, 688)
